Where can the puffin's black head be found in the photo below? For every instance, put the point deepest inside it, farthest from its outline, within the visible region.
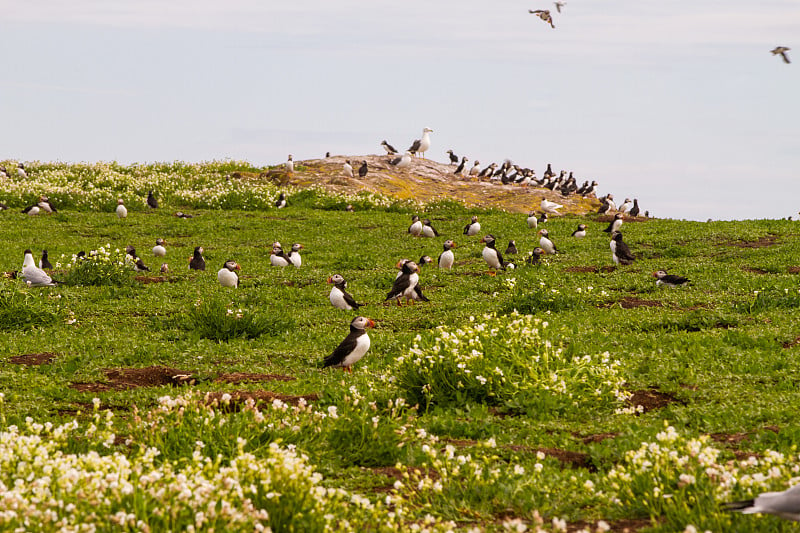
(581, 227)
(414, 218)
(424, 260)
(28, 251)
(231, 265)
(449, 244)
(427, 222)
(361, 323)
(337, 280)
(618, 216)
(296, 247)
(489, 240)
(617, 236)
(130, 250)
(44, 253)
(474, 218)
(659, 274)
(198, 251)
(160, 241)
(544, 233)
(538, 251)
(407, 266)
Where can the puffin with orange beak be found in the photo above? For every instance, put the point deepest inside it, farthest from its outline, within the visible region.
(353, 347)
(339, 296)
(491, 254)
(405, 284)
(227, 275)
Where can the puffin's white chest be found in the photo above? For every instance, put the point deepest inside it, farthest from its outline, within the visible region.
(490, 256)
(122, 211)
(362, 346)
(533, 222)
(415, 228)
(33, 211)
(278, 261)
(427, 231)
(413, 281)
(227, 278)
(159, 251)
(580, 234)
(446, 260)
(474, 229)
(337, 299)
(296, 259)
(547, 245)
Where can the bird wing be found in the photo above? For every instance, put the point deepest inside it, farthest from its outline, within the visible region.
(623, 252)
(399, 286)
(350, 300)
(36, 276)
(344, 348)
(675, 280)
(418, 294)
(415, 146)
(785, 57)
(396, 160)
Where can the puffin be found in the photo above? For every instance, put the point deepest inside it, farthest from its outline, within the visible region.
(543, 218)
(353, 347)
(121, 210)
(390, 150)
(34, 276)
(548, 173)
(615, 224)
(453, 157)
(532, 221)
(488, 171)
(559, 4)
(402, 161)
(289, 164)
(417, 290)
(428, 230)
(447, 258)
(347, 168)
(545, 243)
(491, 255)
(363, 169)
(158, 249)
(151, 200)
(180, 214)
(634, 212)
(196, 262)
(339, 296)
(405, 284)
(278, 257)
(512, 248)
(785, 504)
(421, 145)
(534, 256)
(138, 264)
(415, 228)
(280, 203)
(227, 276)
(476, 168)
(670, 280)
(626, 206)
(21, 171)
(620, 252)
(424, 260)
(31, 210)
(45, 205)
(473, 228)
(460, 167)
(164, 268)
(3, 172)
(294, 255)
(44, 262)
(550, 207)
(580, 233)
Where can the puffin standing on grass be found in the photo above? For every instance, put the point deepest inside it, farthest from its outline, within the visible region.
(353, 347)
(428, 230)
(580, 233)
(473, 228)
(227, 276)
(197, 262)
(615, 224)
(121, 210)
(532, 221)
(294, 255)
(159, 250)
(545, 243)
(512, 247)
(534, 256)
(405, 284)
(280, 203)
(34, 276)
(620, 253)
(44, 262)
(151, 200)
(447, 258)
(491, 254)
(278, 257)
(415, 228)
(670, 280)
(339, 296)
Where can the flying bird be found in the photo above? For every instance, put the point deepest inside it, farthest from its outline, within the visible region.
(353, 347)
(784, 504)
(559, 4)
(543, 14)
(227, 276)
(781, 51)
(339, 296)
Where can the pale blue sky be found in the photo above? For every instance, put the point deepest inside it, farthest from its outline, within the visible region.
(678, 103)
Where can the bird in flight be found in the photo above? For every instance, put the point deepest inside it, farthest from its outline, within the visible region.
(559, 4)
(781, 50)
(543, 14)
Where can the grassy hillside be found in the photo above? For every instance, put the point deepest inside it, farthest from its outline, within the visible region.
(462, 415)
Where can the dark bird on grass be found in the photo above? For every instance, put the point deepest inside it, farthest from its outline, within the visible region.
(197, 262)
(784, 504)
(353, 347)
(339, 296)
(781, 51)
(647, 214)
(34, 276)
(670, 280)
(634, 212)
(453, 157)
(580, 232)
(543, 14)
(473, 228)
(545, 243)
(227, 275)
(491, 254)
(390, 150)
(363, 169)
(428, 230)
(80, 255)
(620, 253)
(3, 206)
(280, 203)
(151, 200)
(615, 224)
(607, 204)
(512, 248)
(405, 284)
(460, 167)
(181, 214)
(447, 258)
(534, 256)
(44, 262)
(559, 4)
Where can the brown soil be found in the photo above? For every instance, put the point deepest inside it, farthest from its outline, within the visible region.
(239, 398)
(157, 279)
(246, 377)
(631, 302)
(792, 343)
(754, 270)
(623, 525)
(33, 358)
(762, 242)
(571, 459)
(794, 270)
(591, 269)
(424, 180)
(650, 399)
(625, 218)
(131, 378)
(598, 437)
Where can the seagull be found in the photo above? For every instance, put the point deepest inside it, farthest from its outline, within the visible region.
(339, 296)
(781, 50)
(353, 347)
(402, 161)
(158, 249)
(453, 157)
(121, 210)
(151, 200)
(422, 145)
(550, 207)
(543, 14)
(390, 150)
(362, 170)
(34, 276)
(289, 165)
(784, 504)
(559, 4)
(670, 280)
(227, 276)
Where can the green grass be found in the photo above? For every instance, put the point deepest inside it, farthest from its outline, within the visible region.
(725, 348)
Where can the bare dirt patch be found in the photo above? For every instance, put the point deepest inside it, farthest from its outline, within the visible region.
(632, 302)
(247, 377)
(625, 218)
(240, 398)
(761, 242)
(597, 437)
(43, 358)
(155, 279)
(569, 458)
(793, 270)
(650, 399)
(754, 270)
(792, 343)
(131, 378)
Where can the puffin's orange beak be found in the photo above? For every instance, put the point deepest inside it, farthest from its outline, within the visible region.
(238, 267)
(417, 270)
(655, 274)
(330, 279)
(399, 265)
(370, 323)
(483, 239)
(453, 245)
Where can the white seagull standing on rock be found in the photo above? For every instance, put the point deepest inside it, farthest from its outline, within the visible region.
(422, 145)
(550, 207)
(34, 276)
